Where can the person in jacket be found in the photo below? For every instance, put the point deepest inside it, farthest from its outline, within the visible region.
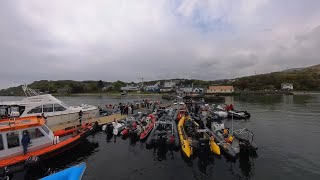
(25, 142)
(80, 116)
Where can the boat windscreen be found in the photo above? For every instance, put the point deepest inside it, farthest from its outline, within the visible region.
(1, 143)
(65, 105)
(46, 129)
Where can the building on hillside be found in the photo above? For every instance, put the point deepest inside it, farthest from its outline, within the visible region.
(220, 89)
(169, 84)
(190, 90)
(185, 89)
(130, 88)
(153, 88)
(198, 90)
(287, 86)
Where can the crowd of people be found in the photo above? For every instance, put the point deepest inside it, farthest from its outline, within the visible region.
(129, 107)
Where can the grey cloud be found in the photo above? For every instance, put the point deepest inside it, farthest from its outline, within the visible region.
(156, 44)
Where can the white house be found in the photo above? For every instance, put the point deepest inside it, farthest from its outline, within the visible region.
(186, 89)
(130, 88)
(287, 86)
(155, 87)
(169, 84)
(198, 90)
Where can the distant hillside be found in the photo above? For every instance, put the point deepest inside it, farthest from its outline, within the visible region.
(302, 79)
(315, 68)
(62, 86)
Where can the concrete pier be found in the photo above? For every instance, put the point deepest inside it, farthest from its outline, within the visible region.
(100, 120)
(103, 120)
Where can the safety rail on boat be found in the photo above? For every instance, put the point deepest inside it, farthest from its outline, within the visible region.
(243, 131)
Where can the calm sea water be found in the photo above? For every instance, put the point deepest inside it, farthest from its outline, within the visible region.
(286, 128)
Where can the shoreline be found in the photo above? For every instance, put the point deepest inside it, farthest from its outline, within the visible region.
(306, 93)
(110, 94)
(237, 93)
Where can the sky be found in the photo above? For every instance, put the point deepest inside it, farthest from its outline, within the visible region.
(154, 39)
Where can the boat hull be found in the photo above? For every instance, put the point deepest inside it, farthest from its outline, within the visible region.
(168, 137)
(149, 128)
(185, 145)
(74, 172)
(47, 152)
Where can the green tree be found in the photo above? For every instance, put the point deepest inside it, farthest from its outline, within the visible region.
(117, 85)
(100, 85)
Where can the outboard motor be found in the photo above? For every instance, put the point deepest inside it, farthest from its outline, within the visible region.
(4, 173)
(203, 143)
(34, 163)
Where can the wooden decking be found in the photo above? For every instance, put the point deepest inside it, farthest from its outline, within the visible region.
(102, 120)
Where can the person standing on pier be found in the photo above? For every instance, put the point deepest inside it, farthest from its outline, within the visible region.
(126, 110)
(129, 109)
(80, 116)
(132, 108)
(121, 108)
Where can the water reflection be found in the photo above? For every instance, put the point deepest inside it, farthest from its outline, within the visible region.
(161, 152)
(287, 99)
(133, 139)
(114, 138)
(60, 161)
(109, 137)
(302, 99)
(246, 163)
(265, 100)
(205, 163)
(187, 160)
(75, 156)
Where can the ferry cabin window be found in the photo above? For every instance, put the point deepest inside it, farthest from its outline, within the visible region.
(13, 139)
(36, 110)
(46, 129)
(35, 133)
(14, 108)
(48, 108)
(1, 143)
(3, 112)
(58, 107)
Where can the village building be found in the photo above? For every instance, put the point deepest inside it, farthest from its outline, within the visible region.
(287, 86)
(169, 84)
(153, 88)
(220, 89)
(130, 88)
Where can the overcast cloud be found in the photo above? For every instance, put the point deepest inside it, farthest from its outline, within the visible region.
(155, 39)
